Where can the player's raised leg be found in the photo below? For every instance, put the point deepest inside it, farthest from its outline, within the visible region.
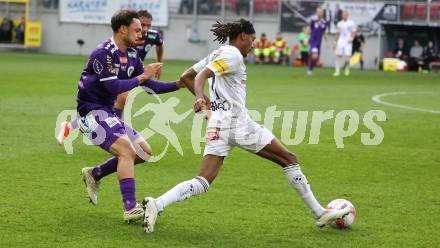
(209, 169)
(277, 153)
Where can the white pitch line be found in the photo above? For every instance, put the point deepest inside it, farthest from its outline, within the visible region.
(377, 99)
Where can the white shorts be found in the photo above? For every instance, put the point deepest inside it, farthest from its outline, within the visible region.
(344, 49)
(251, 137)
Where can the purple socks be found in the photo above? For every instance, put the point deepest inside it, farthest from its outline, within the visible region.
(108, 167)
(128, 190)
(312, 64)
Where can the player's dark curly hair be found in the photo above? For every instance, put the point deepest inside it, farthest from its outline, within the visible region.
(123, 17)
(145, 13)
(231, 30)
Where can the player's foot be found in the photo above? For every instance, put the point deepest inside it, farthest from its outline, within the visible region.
(309, 73)
(92, 185)
(134, 214)
(336, 74)
(331, 215)
(150, 214)
(63, 132)
(347, 71)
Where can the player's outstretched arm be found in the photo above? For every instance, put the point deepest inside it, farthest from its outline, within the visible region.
(199, 84)
(187, 78)
(118, 86)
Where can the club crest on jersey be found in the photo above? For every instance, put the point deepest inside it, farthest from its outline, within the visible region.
(130, 71)
(97, 66)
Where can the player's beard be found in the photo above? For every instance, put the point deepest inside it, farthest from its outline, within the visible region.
(129, 43)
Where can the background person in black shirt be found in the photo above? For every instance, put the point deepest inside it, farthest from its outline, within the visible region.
(359, 44)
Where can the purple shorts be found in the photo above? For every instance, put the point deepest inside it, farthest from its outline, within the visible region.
(103, 128)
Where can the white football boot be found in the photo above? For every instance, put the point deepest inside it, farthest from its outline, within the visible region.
(92, 185)
(151, 213)
(134, 214)
(63, 132)
(331, 215)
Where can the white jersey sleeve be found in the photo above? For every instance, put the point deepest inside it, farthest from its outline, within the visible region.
(198, 67)
(228, 61)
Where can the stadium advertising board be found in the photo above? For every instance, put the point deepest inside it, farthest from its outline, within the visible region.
(101, 11)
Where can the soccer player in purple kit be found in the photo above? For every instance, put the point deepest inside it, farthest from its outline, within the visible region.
(114, 67)
(317, 27)
(149, 39)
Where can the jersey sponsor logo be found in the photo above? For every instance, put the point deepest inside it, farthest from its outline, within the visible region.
(130, 71)
(220, 105)
(123, 60)
(97, 66)
(87, 124)
(131, 54)
(220, 65)
(111, 121)
(212, 134)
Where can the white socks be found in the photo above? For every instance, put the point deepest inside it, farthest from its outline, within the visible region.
(182, 191)
(299, 182)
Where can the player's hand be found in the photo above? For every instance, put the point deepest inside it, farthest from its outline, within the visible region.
(199, 105)
(334, 45)
(151, 70)
(158, 73)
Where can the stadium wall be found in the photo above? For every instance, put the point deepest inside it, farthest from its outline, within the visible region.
(61, 38)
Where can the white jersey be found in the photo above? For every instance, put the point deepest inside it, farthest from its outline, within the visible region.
(346, 29)
(227, 88)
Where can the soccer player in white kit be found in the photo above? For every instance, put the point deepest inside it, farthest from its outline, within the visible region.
(345, 33)
(230, 125)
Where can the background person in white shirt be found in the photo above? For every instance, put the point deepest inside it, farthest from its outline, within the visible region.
(345, 33)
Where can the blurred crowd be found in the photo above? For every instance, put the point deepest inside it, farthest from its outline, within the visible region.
(417, 56)
(12, 31)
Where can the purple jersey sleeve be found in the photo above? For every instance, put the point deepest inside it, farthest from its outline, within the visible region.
(159, 40)
(102, 62)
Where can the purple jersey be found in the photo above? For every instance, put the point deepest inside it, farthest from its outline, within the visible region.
(317, 27)
(108, 72)
(151, 38)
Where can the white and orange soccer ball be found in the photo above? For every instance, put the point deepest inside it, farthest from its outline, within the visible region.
(347, 220)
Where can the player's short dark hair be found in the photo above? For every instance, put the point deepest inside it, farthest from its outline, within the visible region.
(231, 30)
(145, 13)
(123, 17)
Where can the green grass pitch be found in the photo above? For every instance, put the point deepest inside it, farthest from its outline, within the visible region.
(394, 186)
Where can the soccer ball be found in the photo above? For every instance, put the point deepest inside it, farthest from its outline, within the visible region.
(347, 220)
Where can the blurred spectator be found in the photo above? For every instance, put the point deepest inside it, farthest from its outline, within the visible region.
(429, 54)
(304, 45)
(262, 50)
(186, 6)
(415, 56)
(6, 28)
(242, 4)
(400, 52)
(279, 49)
(19, 31)
(327, 17)
(338, 15)
(207, 7)
(359, 44)
(50, 4)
